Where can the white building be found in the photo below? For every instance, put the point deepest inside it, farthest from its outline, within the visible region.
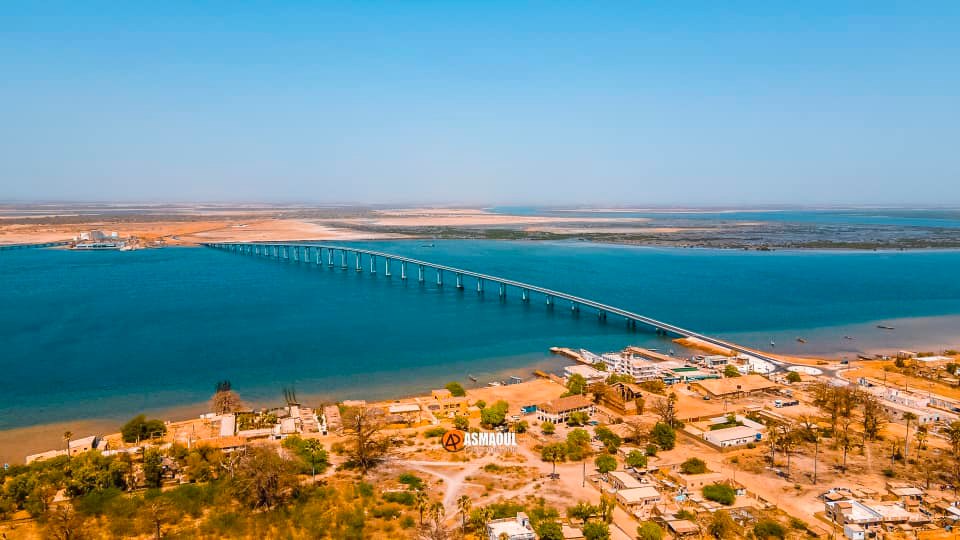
(733, 436)
(591, 375)
(638, 368)
(517, 528)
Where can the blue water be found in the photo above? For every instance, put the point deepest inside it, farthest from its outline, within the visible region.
(106, 334)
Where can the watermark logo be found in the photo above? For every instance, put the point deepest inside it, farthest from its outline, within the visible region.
(452, 440)
(456, 440)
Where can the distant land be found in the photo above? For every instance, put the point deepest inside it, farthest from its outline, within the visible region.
(733, 228)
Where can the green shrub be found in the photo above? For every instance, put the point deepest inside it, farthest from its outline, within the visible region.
(412, 481)
(456, 389)
(721, 493)
(435, 432)
(405, 498)
(694, 466)
(767, 528)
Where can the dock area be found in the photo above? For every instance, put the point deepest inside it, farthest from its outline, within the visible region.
(569, 353)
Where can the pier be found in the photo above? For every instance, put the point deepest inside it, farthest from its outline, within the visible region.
(300, 252)
(6, 247)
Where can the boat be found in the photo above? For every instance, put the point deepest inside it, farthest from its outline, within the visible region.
(884, 327)
(472, 378)
(427, 245)
(494, 384)
(773, 343)
(801, 340)
(848, 337)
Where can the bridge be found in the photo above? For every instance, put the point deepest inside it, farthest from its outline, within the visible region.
(34, 246)
(341, 256)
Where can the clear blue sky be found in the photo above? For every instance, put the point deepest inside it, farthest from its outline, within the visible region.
(484, 102)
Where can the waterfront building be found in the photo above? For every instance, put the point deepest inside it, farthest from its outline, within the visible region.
(736, 386)
(592, 375)
(639, 501)
(559, 410)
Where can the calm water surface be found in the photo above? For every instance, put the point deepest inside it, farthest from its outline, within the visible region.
(106, 334)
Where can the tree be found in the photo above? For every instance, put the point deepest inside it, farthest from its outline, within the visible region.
(909, 417)
(578, 441)
(548, 428)
(495, 415)
(549, 530)
(463, 505)
(794, 377)
(578, 418)
(610, 440)
(521, 426)
(310, 452)
(606, 507)
(367, 445)
(582, 511)
(140, 429)
(767, 528)
(67, 435)
(157, 512)
(663, 436)
(649, 530)
(461, 422)
(152, 467)
(921, 434)
(422, 502)
(873, 416)
(576, 384)
(553, 453)
(596, 531)
(721, 493)
(722, 526)
(666, 410)
(953, 434)
(64, 523)
(263, 479)
(693, 466)
(605, 463)
(224, 399)
(636, 459)
(456, 389)
(731, 371)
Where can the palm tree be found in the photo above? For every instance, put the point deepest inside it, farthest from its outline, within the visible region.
(463, 505)
(438, 512)
(908, 416)
(67, 435)
(421, 501)
(921, 438)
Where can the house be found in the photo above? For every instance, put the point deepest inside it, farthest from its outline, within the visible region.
(905, 493)
(639, 501)
(623, 480)
(854, 531)
(851, 511)
(559, 410)
(736, 386)
(446, 405)
(713, 361)
(511, 528)
(93, 442)
(331, 417)
(403, 414)
(622, 397)
(695, 482)
(639, 368)
(733, 436)
(682, 527)
(591, 375)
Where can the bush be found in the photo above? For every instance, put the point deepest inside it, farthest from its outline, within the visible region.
(548, 428)
(596, 531)
(461, 422)
(793, 377)
(768, 528)
(495, 415)
(721, 493)
(435, 432)
(693, 466)
(456, 389)
(651, 449)
(412, 481)
(405, 498)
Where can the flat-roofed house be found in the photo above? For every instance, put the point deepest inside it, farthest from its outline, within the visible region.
(623, 480)
(559, 410)
(517, 528)
(639, 501)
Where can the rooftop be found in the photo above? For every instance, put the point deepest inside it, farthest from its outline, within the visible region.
(638, 494)
(626, 479)
(732, 385)
(564, 404)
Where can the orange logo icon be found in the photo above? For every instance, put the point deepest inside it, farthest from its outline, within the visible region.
(452, 440)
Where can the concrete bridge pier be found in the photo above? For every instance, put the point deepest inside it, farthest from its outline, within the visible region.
(319, 254)
(421, 273)
(549, 301)
(386, 268)
(439, 277)
(574, 307)
(525, 295)
(373, 264)
(359, 269)
(403, 270)
(460, 281)
(343, 259)
(503, 290)
(479, 285)
(602, 315)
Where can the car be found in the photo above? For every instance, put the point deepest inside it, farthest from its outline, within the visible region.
(706, 398)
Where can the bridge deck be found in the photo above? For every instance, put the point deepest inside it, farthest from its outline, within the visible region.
(629, 315)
